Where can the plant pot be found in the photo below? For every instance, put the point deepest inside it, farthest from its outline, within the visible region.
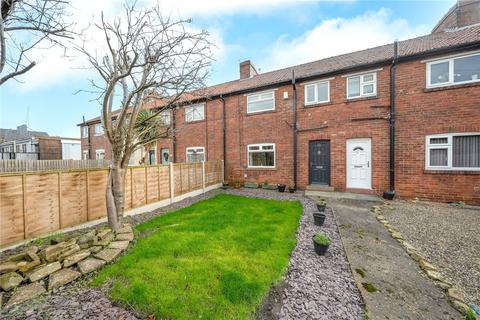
(281, 187)
(320, 249)
(321, 207)
(224, 185)
(291, 190)
(318, 218)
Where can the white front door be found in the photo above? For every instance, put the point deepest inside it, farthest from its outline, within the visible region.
(359, 160)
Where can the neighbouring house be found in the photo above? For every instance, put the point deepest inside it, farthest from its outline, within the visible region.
(23, 144)
(402, 118)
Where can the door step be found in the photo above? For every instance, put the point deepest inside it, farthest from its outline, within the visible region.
(319, 187)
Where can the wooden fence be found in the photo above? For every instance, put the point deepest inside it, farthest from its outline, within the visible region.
(37, 203)
(43, 165)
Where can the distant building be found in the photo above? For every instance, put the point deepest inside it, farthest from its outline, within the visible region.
(23, 144)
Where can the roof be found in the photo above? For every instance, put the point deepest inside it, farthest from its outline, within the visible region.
(21, 132)
(424, 45)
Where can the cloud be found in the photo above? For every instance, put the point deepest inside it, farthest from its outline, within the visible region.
(337, 36)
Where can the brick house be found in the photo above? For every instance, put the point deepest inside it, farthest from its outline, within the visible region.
(331, 123)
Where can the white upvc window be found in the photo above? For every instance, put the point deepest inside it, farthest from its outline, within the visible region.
(165, 117)
(260, 102)
(195, 154)
(98, 129)
(85, 132)
(452, 151)
(100, 154)
(195, 112)
(362, 85)
(318, 92)
(261, 155)
(85, 155)
(454, 70)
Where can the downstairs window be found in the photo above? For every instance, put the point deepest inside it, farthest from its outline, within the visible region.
(455, 151)
(261, 155)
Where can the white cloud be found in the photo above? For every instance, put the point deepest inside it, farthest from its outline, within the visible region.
(337, 36)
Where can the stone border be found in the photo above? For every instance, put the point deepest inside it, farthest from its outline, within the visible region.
(455, 296)
(61, 263)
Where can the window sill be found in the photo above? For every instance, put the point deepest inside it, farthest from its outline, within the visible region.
(318, 104)
(452, 86)
(249, 114)
(262, 169)
(350, 100)
(451, 172)
(196, 121)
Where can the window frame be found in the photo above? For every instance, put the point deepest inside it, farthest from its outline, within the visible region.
(167, 114)
(315, 85)
(97, 151)
(362, 84)
(451, 73)
(85, 152)
(98, 132)
(194, 106)
(85, 132)
(259, 151)
(449, 147)
(204, 154)
(259, 94)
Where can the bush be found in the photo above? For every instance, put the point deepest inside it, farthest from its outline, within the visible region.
(320, 238)
(470, 314)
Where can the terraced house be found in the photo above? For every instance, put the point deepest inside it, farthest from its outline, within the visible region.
(402, 118)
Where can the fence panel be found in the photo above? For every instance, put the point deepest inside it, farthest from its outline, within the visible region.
(45, 165)
(37, 203)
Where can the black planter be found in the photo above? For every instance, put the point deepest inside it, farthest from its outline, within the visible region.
(281, 187)
(318, 218)
(291, 190)
(389, 195)
(320, 249)
(321, 206)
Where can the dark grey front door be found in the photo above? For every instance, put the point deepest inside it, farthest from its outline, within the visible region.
(319, 158)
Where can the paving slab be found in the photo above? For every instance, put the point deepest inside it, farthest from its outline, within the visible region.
(392, 283)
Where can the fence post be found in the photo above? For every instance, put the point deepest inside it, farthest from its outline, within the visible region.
(203, 176)
(223, 172)
(24, 207)
(172, 183)
(59, 200)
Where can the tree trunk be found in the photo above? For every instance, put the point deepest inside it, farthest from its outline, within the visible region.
(115, 195)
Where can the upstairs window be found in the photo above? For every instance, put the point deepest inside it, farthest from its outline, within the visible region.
(165, 117)
(85, 132)
(261, 102)
(318, 92)
(261, 155)
(195, 154)
(195, 112)
(453, 151)
(98, 129)
(363, 85)
(451, 71)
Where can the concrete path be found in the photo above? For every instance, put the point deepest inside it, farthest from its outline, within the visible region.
(379, 263)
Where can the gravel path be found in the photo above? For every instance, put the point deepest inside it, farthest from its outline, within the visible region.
(314, 287)
(446, 235)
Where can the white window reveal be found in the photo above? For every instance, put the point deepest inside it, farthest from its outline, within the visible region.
(98, 129)
(456, 70)
(363, 85)
(165, 117)
(261, 155)
(318, 92)
(454, 151)
(195, 154)
(100, 154)
(260, 102)
(195, 112)
(85, 132)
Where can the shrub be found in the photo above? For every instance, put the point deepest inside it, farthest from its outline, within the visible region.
(320, 238)
(470, 315)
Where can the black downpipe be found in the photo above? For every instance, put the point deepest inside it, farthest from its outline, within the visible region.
(224, 119)
(391, 194)
(174, 136)
(295, 129)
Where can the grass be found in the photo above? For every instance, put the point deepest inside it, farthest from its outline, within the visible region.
(216, 259)
(369, 287)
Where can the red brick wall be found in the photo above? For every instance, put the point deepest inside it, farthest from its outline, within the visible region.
(97, 142)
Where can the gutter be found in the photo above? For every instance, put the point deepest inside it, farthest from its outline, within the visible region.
(224, 137)
(391, 194)
(295, 129)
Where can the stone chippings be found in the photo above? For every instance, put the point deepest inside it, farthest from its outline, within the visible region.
(316, 287)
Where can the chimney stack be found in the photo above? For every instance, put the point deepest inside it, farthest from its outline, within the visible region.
(247, 70)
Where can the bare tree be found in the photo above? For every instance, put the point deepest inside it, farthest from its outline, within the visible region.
(26, 25)
(150, 60)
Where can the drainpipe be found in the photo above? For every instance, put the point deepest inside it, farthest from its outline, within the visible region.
(174, 136)
(391, 194)
(224, 119)
(295, 129)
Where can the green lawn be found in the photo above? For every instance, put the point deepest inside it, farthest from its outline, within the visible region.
(213, 260)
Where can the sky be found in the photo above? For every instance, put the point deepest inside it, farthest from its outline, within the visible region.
(271, 33)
